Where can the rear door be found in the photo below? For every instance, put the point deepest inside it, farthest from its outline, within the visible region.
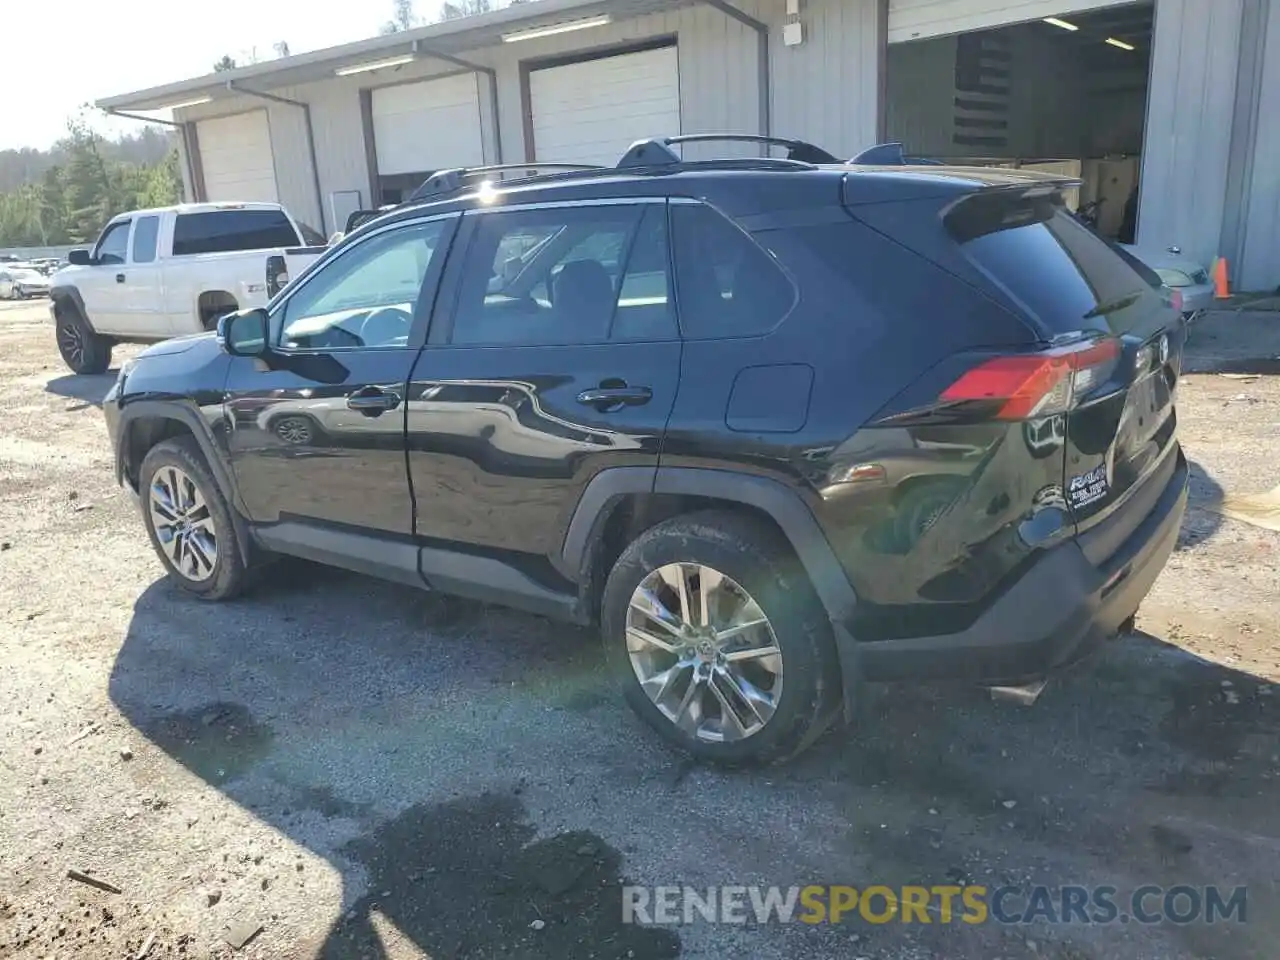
(554, 354)
(142, 297)
(1121, 424)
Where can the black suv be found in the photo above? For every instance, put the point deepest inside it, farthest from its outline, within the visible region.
(778, 425)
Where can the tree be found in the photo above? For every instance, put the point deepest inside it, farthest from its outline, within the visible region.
(70, 191)
(226, 63)
(455, 9)
(402, 19)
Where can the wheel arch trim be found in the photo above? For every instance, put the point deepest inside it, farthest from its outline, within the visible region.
(68, 292)
(138, 410)
(772, 497)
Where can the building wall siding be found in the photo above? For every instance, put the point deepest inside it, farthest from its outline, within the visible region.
(1189, 118)
(1259, 267)
(827, 89)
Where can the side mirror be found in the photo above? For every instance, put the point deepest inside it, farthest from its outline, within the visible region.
(80, 258)
(244, 334)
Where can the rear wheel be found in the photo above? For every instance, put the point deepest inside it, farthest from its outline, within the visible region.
(190, 522)
(718, 641)
(82, 350)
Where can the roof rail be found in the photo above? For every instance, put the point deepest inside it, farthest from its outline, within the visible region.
(451, 181)
(657, 151)
(892, 155)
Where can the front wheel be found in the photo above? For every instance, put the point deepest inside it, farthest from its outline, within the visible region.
(189, 521)
(719, 643)
(83, 350)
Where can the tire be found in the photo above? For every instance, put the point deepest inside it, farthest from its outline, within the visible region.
(296, 429)
(758, 561)
(203, 513)
(84, 351)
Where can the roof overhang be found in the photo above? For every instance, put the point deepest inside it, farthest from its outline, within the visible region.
(451, 38)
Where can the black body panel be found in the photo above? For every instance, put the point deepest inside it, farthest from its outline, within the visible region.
(930, 535)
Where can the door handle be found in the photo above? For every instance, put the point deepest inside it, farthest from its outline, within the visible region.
(615, 398)
(119, 278)
(372, 402)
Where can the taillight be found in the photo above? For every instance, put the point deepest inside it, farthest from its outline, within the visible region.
(277, 275)
(1021, 386)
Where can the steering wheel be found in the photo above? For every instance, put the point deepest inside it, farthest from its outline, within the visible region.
(385, 325)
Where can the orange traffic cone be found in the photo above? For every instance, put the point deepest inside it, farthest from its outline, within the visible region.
(1222, 290)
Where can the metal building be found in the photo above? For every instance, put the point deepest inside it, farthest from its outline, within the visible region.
(1158, 105)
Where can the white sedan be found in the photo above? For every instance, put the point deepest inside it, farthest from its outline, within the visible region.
(17, 283)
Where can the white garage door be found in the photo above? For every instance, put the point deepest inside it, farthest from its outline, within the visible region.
(918, 19)
(433, 125)
(235, 157)
(591, 112)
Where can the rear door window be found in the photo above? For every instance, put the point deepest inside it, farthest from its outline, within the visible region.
(225, 231)
(566, 275)
(1054, 267)
(145, 232)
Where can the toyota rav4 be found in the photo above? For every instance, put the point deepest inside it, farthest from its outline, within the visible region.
(779, 426)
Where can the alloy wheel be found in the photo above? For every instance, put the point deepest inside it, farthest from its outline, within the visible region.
(183, 523)
(704, 652)
(294, 430)
(70, 343)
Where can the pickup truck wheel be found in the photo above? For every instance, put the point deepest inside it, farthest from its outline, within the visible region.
(82, 350)
(189, 522)
(718, 641)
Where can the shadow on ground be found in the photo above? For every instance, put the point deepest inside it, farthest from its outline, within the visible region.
(493, 781)
(90, 389)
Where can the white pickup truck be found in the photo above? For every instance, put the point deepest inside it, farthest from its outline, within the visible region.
(156, 274)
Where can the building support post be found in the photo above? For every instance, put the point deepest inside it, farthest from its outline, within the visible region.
(762, 37)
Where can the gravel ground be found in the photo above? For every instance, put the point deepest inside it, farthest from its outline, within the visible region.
(352, 769)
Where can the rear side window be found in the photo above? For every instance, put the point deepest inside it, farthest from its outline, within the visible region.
(1053, 266)
(726, 284)
(144, 239)
(224, 231)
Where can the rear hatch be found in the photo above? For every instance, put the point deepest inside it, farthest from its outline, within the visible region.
(1078, 291)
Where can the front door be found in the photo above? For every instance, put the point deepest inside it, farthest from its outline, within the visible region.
(554, 354)
(316, 432)
(102, 285)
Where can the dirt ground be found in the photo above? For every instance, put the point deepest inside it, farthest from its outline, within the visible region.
(351, 769)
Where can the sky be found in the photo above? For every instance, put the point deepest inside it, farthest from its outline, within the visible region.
(84, 50)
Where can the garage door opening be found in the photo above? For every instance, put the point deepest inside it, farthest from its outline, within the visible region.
(422, 127)
(591, 111)
(1066, 92)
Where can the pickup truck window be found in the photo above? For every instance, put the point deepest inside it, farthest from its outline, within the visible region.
(145, 232)
(225, 231)
(113, 245)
